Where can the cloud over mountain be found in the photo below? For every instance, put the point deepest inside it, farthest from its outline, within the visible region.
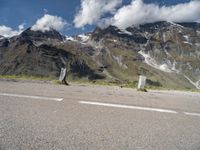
(140, 13)
(92, 11)
(9, 32)
(48, 22)
(136, 13)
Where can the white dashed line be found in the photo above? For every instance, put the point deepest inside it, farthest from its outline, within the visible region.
(128, 107)
(32, 97)
(192, 114)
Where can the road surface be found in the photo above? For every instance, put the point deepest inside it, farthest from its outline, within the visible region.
(42, 116)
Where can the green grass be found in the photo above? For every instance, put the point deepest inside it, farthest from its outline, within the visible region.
(25, 77)
(132, 85)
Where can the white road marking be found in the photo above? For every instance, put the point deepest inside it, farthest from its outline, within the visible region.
(128, 107)
(32, 97)
(192, 114)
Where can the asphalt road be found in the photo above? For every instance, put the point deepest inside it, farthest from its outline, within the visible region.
(41, 116)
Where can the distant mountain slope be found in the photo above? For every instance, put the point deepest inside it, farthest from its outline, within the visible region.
(171, 48)
(39, 54)
(167, 53)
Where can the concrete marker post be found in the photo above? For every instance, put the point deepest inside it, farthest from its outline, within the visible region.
(63, 75)
(142, 82)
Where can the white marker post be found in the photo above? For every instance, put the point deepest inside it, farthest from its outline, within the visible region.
(62, 74)
(142, 82)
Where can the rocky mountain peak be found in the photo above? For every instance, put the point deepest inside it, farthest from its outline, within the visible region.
(116, 33)
(51, 34)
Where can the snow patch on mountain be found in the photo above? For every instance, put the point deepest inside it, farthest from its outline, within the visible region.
(125, 32)
(168, 67)
(69, 38)
(186, 37)
(84, 37)
(153, 63)
(196, 84)
(186, 42)
(175, 24)
(81, 39)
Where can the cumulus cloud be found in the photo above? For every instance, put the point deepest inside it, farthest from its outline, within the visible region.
(48, 22)
(92, 11)
(9, 32)
(136, 13)
(140, 13)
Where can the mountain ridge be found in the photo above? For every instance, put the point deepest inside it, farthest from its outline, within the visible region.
(167, 53)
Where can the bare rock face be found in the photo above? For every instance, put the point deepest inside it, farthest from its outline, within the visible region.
(167, 53)
(172, 49)
(35, 53)
(51, 34)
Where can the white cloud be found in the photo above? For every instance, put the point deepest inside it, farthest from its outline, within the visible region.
(21, 27)
(140, 13)
(136, 13)
(9, 32)
(48, 22)
(92, 10)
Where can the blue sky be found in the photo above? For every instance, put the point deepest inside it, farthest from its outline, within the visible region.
(15, 12)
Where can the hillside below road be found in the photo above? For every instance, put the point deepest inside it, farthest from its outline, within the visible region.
(46, 116)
